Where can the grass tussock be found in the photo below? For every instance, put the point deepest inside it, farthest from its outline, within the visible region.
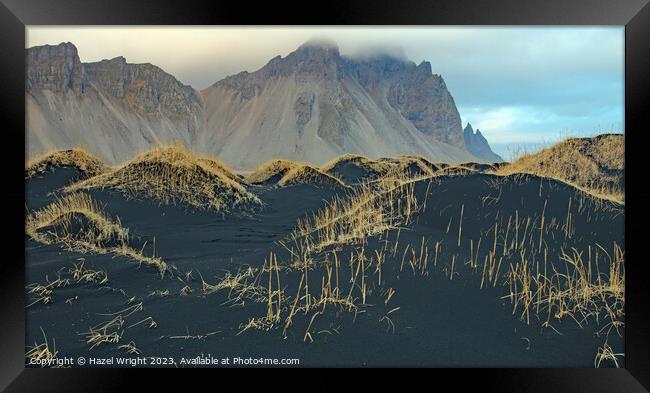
(78, 158)
(370, 209)
(376, 167)
(78, 223)
(578, 289)
(416, 166)
(172, 175)
(111, 331)
(409, 166)
(594, 164)
(78, 273)
(42, 353)
(271, 171)
(357, 169)
(607, 355)
(305, 174)
(220, 167)
(265, 287)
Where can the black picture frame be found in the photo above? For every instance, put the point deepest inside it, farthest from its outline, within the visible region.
(633, 14)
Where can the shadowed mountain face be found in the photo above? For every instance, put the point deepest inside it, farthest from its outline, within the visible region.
(478, 145)
(312, 105)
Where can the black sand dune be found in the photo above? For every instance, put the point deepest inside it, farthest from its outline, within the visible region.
(413, 166)
(43, 188)
(438, 314)
(353, 169)
(594, 163)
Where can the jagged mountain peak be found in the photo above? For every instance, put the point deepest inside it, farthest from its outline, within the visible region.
(113, 107)
(315, 104)
(478, 145)
(468, 131)
(55, 67)
(425, 67)
(68, 47)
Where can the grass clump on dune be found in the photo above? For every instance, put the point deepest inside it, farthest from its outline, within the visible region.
(370, 209)
(172, 175)
(78, 223)
(412, 166)
(271, 171)
(362, 166)
(80, 159)
(42, 354)
(352, 168)
(284, 173)
(305, 174)
(219, 166)
(594, 164)
(358, 160)
(578, 289)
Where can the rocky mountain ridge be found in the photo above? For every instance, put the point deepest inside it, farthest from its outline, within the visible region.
(312, 105)
(478, 145)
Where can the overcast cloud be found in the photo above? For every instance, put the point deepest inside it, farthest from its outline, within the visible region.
(520, 86)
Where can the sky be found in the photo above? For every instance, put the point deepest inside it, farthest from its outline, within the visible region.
(523, 87)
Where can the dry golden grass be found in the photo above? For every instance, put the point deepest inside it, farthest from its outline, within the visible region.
(578, 289)
(607, 354)
(82, 274)
(270, 170)
(420, 161)
(85, 162)
(284, 172)
(375, 166)
(105, 333)
(112, 330)
(220, 167)
(306, 174)
(369, 209)
(242, 286)
(78, 223)
(406, 166)
(415, 165)
(42, 353)
(61, 212)
(515, 248)
(593, 164)
(43, 292)
(173, 174)
(264, 286)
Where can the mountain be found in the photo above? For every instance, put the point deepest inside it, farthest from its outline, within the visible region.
(112, 108)
(478, 145)
(312, 105)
